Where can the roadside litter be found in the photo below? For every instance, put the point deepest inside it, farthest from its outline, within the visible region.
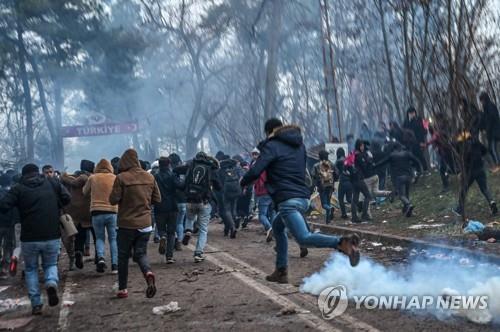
(423, 226)
(171, 307)
(487, 233)
(13, 304)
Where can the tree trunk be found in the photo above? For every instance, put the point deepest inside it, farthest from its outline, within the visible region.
(389, 60)
(272, 61)
(59, 143)
(30, 142)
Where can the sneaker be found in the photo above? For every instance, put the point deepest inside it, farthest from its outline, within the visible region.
(494, 208)
(79, 259)
(150, 280)
(303, 252)
(269, 235)
(37, 310)
(356, 221)
(52, 295)
(409, 211)
(280, 275)
(13, 266)
(232, 234)
(187, 237)
(178, 246)
(348, 245)
(170, 260)
(162, 248)
(101, 265)
(198, 258)
(245, 222)
(122, 294)
(114, 268)
(344, 216)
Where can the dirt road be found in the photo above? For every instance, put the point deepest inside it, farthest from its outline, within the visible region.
(226, 292)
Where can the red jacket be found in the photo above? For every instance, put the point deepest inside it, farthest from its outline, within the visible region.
(260, 185)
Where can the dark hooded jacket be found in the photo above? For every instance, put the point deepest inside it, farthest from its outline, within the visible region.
(79, 208)
(400, 162)
(134, 190)
(491, 121)
(38, 200)
(168, 183)
(225, 165)
(283, 156)
(214, 178)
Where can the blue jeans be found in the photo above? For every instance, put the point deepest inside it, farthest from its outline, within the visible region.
(266, 212)
(103, 223)
(290, 215)
(200, 212)
(326, 195)
(49, 250)
(181, 217)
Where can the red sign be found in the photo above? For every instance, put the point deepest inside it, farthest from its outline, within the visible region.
(100, 129)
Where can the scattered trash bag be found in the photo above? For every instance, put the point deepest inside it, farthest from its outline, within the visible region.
(474, 227)
(171, 307)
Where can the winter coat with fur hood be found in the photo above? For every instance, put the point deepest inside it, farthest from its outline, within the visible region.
(283, 156)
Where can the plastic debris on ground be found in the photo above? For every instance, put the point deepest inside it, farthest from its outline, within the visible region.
(474, 227)
(2, 288)
(171, 307)
(13, 304)
(376, 244)
(422, 226)
(68, 303)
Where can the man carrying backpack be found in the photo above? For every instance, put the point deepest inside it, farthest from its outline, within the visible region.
(200, 178)
(229, 177)
(324, 176)
(283, 157)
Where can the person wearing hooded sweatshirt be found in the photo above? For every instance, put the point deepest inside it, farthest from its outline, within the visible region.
(491, 125)
(201, 180)
(166, 210)
(324, 176)
(414, 123)
(79, 208)
(99, 186)
(135, 191)
(180, 198)
(229, 177)
(345, 185)
(357, 174)
(38, 200)
(8, 223)
(283, 157)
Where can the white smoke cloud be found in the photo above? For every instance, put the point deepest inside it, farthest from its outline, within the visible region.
(420, 278)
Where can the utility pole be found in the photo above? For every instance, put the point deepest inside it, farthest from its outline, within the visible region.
(329, 69)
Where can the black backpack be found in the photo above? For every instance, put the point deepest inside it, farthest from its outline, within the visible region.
(232, 186)
(198, 180)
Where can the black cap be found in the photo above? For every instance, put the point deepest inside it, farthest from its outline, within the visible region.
(30, 169)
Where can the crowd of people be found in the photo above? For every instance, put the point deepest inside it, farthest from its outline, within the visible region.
(127, 201)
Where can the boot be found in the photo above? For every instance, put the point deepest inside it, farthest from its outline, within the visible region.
(348, 245)
(72, 263)
(494, 208)
(280, 275)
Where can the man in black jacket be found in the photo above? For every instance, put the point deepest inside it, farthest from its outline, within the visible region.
(491, 125)
(38, 200)
(180, 198)
(283, 157)
(201, 179)
(415, 124)
(229, 176)
(8, 222)
(401, 162)
(473, 152)
(166, 210)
